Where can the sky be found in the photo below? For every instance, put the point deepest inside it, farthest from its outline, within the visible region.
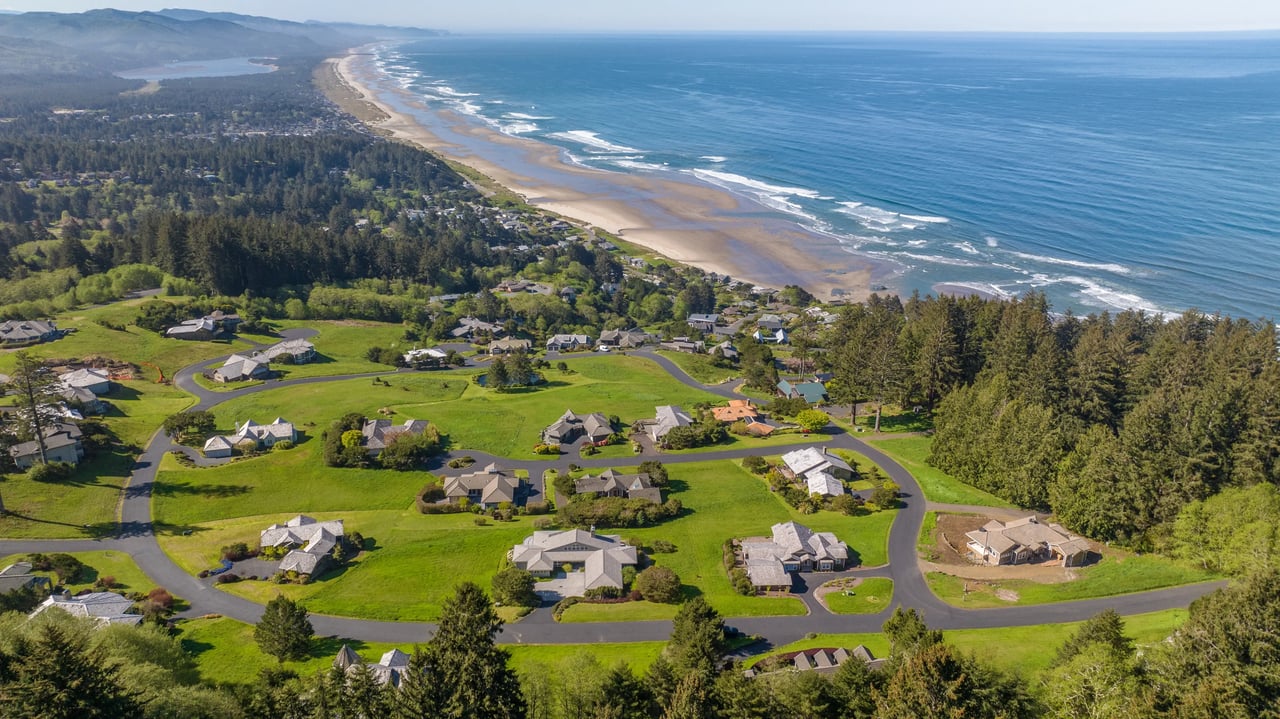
(470, 16)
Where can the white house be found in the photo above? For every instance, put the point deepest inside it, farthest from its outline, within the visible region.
(95, 380)
(794, 548)
(801, 462)
(596, 560)
(102, 607)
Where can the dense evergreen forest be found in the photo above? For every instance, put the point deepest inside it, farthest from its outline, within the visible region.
(1117, 424)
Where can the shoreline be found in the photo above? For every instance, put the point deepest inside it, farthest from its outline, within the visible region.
(688, 222)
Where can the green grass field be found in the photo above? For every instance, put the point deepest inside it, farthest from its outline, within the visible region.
(1020, 650)
(624, 612)
(871, 596)
(938, 486)
(700, 367)
(106, 563)
(1111, 576)
(86, 503)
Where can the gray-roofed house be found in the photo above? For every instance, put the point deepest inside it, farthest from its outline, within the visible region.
(568, 343)
(794, 548)
(666, 418)
(801, 462)
(824, 660)
(310, 543)
(625, 339)
(507, 346)
(595, 560)
(102, 607)
(263, 436)
(95, 380)
(298, 351)
(18, 576)
(469, 327)
(17, 333)
(1026, 540)
(210, 327)
(388, 671)
(487, 488)
(684, 344)
(610, 483)
(726, 350)
(704, 323)
(378, 433)
(239, 368)
(62, 443)
(566, 430)
(824, 483)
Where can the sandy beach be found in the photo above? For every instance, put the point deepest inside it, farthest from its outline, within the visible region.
(688, 222)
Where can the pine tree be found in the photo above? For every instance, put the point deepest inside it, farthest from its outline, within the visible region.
(474, 672)
(55, 675)
(36, 393)
(421, 694)
(697, 638)
(284, 631)
(624, 696)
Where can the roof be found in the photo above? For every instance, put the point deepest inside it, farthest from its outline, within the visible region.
(767, 572)
(810, 459)
(299, 531)
(736, 409)
(704, 319)
(1027, 532)
(668, 417)
(378, 433)
(57, 435)
(493, 485)
(824, 483)
(631, 486)
(569, 340)
(811, 392)
(510, 345)
(293, 348)
(81, 378)
(602, 556)
(25, 330)
(106, 607)
(795, 542)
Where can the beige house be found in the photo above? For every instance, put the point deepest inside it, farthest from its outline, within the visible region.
(1026, 540)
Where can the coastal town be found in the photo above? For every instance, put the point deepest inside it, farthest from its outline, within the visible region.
(315, 404)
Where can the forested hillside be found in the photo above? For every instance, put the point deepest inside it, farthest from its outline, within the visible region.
(1114, 423)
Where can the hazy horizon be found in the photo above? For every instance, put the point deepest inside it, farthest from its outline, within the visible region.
(977, 16)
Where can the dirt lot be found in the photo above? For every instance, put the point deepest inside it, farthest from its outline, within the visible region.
(947, 554)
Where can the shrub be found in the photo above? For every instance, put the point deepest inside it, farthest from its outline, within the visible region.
(543, 523)
(535, 508)
(283, 444)
(741, 582)
(656, 471)
(228, 578)
(546, 449)
(51, 472)
(161, 598)
(658, 584)
(562, 605)
(812, 420)
(628, 576)
(460, 462)
(481, 521)
(514, 587)
(107, 582)
(755, 464)
(739, 428)
(236, 552)
(204, 573)
(605, 593)
(662, 546)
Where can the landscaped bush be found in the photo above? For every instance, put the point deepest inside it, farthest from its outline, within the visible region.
(283, 444)
(161, 598)
(409, 451)
(787, 406)
(562, 605)
(885, 496)
(342, 449)
(584, 511)
(755, 464)
(107, 582)
(514, 587)
(656, 471)
(695, 435)
(460, 462)
(741, 582)
(662, 546)
(68, 568)
(236, 552)
(481, 521)
(658, 584)
(546, 449)
(228, 578)
(536, 508)
(605, 593)
(543, 523)
(51, 472)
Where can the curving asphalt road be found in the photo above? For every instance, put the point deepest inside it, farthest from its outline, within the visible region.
(136, 535)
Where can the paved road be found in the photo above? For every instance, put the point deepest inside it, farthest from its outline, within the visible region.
(136, 535)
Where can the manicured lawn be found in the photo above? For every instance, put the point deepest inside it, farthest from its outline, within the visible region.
(225, 651)
(700, 367)
(341, 347)
(106, 563)
(1111, 576)
(530, 658)
(624, 612)
(1021, 650)
(938, 486)
(766, 445)
(871, 596)
(924, 545)
(86, 503)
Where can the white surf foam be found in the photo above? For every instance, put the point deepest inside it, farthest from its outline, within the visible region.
(449, 91)
(1104, 266)
(713, 158)
(941, 260)
(966, 248)
(929, 219)
(518, 128)
(981, 287)
(525, 116)
(991, 241)
(878, 218)
(636, 164)
(592, 141)
(740, 182)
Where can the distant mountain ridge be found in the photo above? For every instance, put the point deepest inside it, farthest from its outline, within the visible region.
(118, 39)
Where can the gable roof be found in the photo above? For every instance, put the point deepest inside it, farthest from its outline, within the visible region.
(378, 433)
(105, 607)
(668, 417)
(811, 459)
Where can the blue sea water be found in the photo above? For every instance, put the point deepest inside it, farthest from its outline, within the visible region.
(1107, 171)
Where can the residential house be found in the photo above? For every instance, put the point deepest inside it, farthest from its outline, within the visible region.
(821, 660)
(1026, 540)
(102, 607)
(824, 484)
(298, 351)
(568, 343)
(725, 350)
(684, 344)
(95, 380)
(487, 488)
(802, 462)
(772, 337)
(239, 368)
(17, 333)
(595, 560)
(507, 346)
(263, 436)
(738, 410)
(666, 418)
(210, 327)
(427, 356)
(811, 392)
(627, 486)
(513, 286)
(625, 339)
(794, 548)
(704, 323)
(310, 543)
(469, 328)
(62, 443)
(566, 430)
(389, 671)
(18, 576)
(769, 323)
(378, 433)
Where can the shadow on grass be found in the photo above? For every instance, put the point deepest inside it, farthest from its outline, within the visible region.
(177, 530)
(92, 531)
(211, 491)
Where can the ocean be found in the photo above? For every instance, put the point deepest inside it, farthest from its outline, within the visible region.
(1109, 172)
